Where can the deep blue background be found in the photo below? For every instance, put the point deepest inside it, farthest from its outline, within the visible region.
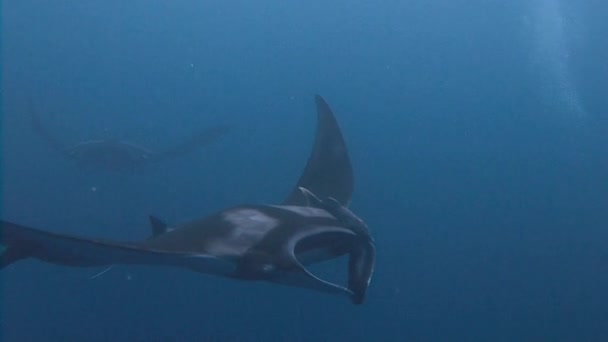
(488, 199)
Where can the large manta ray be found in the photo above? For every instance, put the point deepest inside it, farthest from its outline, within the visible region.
(273, 243)
(115, 154)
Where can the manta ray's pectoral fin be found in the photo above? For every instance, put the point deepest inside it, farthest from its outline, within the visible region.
(201, 139)
(328, 172)
(45, 133)
(22, 242)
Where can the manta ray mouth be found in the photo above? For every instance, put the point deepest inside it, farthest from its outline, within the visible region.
(333, 271)
(323, 258)
(313, 252)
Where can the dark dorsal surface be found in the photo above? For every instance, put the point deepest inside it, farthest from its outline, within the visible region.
(108, 154)
(328, 172)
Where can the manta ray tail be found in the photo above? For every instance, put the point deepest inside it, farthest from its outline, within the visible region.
(20, 242)
(13, 249)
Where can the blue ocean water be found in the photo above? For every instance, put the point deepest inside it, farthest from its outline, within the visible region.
(477, 131)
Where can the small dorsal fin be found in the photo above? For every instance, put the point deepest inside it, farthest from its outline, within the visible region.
(159, 226)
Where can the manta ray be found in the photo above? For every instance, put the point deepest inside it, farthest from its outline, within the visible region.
(116, 154)
(271, 243)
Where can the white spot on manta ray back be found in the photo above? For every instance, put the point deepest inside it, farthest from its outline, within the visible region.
(249, 226)
(306, 211)
(252, 219)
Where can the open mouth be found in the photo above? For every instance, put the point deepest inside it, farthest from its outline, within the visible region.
(315, 252)
(323, 260)
(333, 271)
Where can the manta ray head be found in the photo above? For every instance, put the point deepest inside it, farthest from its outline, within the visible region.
(360, 246)
(328, 232)
(361, 253)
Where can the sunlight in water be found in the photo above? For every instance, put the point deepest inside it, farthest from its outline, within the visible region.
(553, 55)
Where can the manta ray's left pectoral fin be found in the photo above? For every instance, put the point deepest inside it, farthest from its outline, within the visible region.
(199, 140)
(22, 242)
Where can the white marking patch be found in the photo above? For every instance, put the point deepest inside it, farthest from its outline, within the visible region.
(306, 211)
(252, 219)
(249, 226)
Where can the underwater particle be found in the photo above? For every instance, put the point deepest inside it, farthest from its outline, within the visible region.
(93, 189)
(101, 273)
(128, 277)
(551, 33)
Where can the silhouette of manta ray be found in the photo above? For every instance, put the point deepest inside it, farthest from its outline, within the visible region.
(272, 243)
(115, 154)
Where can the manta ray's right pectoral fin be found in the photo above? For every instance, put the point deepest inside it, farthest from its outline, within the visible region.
(45, 134)
(204, 138)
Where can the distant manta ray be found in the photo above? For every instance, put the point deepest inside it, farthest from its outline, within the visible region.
(115, 154)
(272, 243)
